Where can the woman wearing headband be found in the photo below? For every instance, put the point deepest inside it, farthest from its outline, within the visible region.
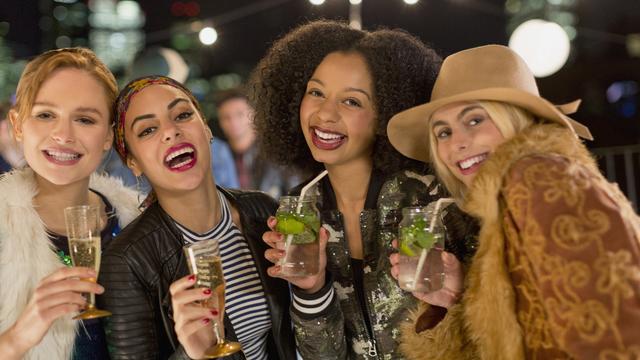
(62, 122)
(162, 134)
(557, 270)
(324, 94)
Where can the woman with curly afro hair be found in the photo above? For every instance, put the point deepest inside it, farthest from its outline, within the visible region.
(323, 95)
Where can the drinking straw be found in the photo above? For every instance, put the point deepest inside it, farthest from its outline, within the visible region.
(303, 192)
(423, 253)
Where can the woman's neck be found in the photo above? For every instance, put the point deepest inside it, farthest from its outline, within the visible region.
(52, 199)
(350, 183)
(198, 210)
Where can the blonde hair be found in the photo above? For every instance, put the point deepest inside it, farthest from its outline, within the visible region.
(43, 65)
(509, 119)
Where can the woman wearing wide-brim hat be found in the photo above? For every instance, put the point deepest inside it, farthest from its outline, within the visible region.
(557, 270)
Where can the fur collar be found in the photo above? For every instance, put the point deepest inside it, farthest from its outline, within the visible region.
(26, 254)
(490, 307)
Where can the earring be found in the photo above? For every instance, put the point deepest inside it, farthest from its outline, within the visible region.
(211, 140)
(139, 188)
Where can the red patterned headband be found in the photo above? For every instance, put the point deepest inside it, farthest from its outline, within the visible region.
(124, 99)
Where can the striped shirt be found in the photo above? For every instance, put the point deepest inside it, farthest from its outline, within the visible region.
(246, 304)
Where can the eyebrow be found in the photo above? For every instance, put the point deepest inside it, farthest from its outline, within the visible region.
(347, 89)
(80, 109)
(171, 105)
(460, 115)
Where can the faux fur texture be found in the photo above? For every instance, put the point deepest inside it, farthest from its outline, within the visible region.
(27, 256)
(490, 303)
(488, 319)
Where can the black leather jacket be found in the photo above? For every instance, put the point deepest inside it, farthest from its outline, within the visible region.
(146, 257)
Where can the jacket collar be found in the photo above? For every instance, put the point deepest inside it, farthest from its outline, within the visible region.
(373, 189)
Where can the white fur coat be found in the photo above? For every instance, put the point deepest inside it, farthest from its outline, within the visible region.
(27, 256)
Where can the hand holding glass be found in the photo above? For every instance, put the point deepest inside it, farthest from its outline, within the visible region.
(205, 263)
(420, 246)
(299, 222)
(83, 232)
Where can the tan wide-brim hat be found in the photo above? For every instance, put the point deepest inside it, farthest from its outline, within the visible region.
(491, 72)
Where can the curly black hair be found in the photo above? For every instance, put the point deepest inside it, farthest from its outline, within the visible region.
(402, 67)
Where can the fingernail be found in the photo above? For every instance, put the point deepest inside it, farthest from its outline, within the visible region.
(214, 312)
(206, 291)
(192, 278)
(93, 273)
(205, 321)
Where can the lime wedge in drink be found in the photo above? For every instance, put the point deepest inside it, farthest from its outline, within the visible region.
(289, 225)
(406, 249)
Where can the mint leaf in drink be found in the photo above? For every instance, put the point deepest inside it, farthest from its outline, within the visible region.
(424, 239)
(416, 237)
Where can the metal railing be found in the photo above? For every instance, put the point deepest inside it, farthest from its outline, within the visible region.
(620, 164)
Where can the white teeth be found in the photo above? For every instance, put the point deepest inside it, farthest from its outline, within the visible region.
(180, 164)
(465, 164)
(327, 136)
(179, 152)
(62, 156)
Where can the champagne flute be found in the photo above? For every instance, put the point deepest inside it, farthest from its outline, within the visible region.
(204, 261)
(83, 233)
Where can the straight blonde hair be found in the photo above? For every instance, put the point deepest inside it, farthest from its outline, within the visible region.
(509, 119)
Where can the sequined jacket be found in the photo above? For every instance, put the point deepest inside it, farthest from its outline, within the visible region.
(557, 270)
(343, 332)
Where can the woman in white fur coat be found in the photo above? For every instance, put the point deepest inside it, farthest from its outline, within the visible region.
(62, 120)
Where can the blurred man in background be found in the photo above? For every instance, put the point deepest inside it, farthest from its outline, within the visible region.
(10, 155)
(235, 117)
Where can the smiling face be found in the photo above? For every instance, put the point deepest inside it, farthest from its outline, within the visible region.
(68, 130)
(465, 136)
(167, 139)
(337, 113)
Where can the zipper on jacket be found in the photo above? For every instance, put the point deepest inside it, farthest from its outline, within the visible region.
(372, 347)
(371, 343)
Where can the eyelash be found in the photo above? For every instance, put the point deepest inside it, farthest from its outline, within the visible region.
(184, 115)
(349, 102)
(150, 130)
(147, 131)
(44, 116)
(315, 93)
(82, 120)
(441, 134)
(353, 102)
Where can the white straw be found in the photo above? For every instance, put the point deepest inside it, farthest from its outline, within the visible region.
(423, 253)
(303, 192)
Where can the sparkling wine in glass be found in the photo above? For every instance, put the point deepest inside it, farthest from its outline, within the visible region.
(83, 233)
(204, 262)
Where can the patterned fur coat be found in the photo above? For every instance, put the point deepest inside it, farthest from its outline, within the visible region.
(27, 256)
(557, 271)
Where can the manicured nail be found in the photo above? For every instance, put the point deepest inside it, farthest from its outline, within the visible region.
(214, 312)
(192, 278)
(206, 291)
(205, 321)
